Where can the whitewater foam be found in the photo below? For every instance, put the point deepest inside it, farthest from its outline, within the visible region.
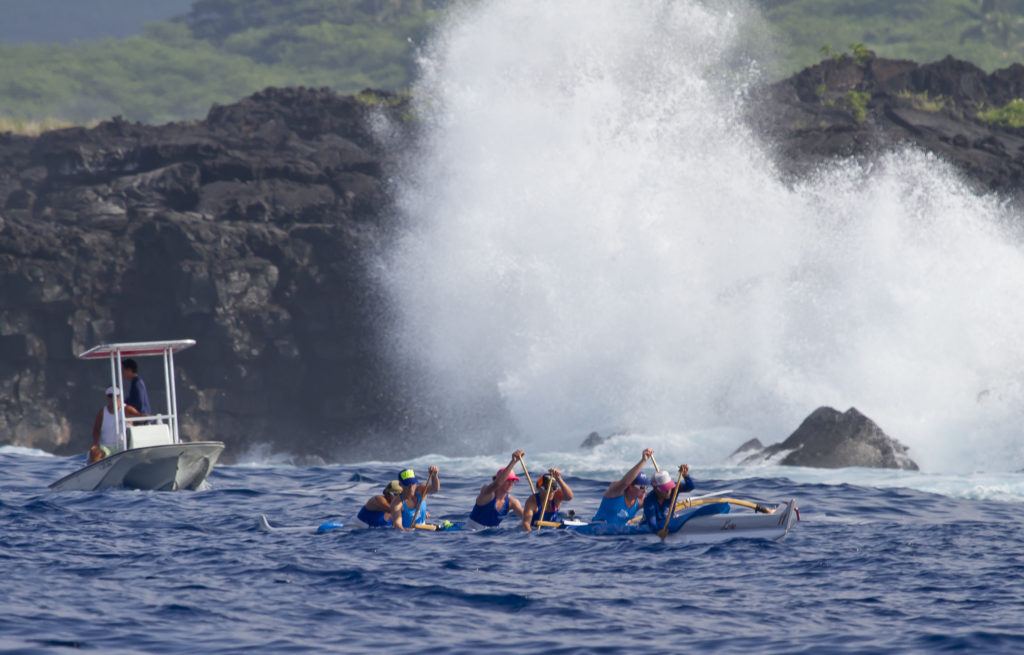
(593, 234)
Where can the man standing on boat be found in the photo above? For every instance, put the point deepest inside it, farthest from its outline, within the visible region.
(105, 437)
(137, 397)
(495, 499)
(410, 508)
(656, 505)
(624, 498)
(560, 492)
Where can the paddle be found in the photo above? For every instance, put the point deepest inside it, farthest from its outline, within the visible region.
(671, 506)
(419, 503)
(533, 489)
(547, 496)
(655, 462)
(694, 502)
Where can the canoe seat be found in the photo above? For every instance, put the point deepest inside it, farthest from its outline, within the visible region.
(142, 436)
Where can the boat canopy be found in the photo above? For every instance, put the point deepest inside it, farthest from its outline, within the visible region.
(152, 429)
(137, 349)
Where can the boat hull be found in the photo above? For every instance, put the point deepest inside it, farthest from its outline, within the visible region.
(168, 467)
(723, 527)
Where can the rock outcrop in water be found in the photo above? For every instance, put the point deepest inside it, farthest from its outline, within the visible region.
(832, 439)
(255, 231)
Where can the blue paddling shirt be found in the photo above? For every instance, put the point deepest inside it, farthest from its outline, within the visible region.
(373, 518)
(615, 511)
(488, 514)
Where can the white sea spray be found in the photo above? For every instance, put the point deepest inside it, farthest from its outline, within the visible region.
(593, 234)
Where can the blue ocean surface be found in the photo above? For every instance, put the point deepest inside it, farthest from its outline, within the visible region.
(867, 569)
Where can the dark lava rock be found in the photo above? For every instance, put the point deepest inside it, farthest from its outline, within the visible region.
(252, 231)
(592, 441)
(750, 446)
(861, 107)
(832, 439)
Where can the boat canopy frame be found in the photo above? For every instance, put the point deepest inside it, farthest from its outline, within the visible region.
(116, 353)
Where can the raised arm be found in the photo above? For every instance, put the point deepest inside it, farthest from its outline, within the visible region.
(687, 480)
(488, 491)
(566, 491)
(433, 480)
(618, 487)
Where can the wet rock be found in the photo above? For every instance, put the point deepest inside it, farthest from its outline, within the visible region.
(747, 447)
(592, 441)
(832, 439)
(849, 107)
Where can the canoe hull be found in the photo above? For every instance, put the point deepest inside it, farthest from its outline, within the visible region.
(723, 527)
(168, 467)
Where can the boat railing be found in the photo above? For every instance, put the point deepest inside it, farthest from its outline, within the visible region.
(146, 418)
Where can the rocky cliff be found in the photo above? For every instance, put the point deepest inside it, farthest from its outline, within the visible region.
(249, 231)
(860, 105)
(255, 230)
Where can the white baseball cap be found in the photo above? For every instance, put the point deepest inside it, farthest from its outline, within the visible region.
(113, 391)
(663, 481)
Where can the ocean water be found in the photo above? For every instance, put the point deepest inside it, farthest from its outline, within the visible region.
(873, 566)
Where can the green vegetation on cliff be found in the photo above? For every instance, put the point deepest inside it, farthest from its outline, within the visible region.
(222, 50)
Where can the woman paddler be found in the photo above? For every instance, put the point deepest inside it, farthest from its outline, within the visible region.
(625, 497)
(412, 497)
(560, 492)
(495, 499)
(657, 503)
(376, 513)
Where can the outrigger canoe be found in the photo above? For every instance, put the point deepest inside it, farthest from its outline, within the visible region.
(696, 521)
(711, 521)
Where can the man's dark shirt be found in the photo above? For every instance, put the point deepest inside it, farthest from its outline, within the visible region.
(138, 397)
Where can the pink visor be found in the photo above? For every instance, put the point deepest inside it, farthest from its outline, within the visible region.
(511, 475)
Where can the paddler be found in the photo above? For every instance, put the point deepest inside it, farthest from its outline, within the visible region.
(495, 499)
(412, 497)
(657, 503)
(624, 498)
(376, 513)
(560, 492)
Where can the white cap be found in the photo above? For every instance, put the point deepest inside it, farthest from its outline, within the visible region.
(113, 391)
(661, 479)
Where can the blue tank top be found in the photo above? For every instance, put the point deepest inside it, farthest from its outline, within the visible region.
(551, 514)
(373, 518)
(407, 513)
(488, 514)
(615, 511)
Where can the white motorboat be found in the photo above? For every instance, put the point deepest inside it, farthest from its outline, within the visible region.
(150, 453)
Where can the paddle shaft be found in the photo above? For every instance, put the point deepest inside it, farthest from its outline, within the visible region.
(526, 472)
(655, 462)
(547, 496)
(671, 506)
(757, 507)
